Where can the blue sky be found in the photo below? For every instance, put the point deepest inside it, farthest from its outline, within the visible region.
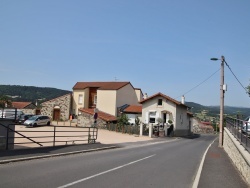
(159, 46)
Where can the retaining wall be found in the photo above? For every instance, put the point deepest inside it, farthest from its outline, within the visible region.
(239, 156)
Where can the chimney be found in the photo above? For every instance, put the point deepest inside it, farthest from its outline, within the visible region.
(145, 96)
(183, 99)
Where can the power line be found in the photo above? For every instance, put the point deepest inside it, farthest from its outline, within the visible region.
(236, 77)
(199, 83)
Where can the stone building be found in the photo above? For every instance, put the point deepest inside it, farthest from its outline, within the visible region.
(26, 107)
(58, 108)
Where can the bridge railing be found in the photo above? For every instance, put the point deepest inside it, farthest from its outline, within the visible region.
(239, 129)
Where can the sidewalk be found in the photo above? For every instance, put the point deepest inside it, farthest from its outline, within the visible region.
(219, 171)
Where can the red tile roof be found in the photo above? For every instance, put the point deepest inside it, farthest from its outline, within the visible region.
(101, 85)
(20, 105)
(206, 123)
(164, 96)
(133, 109)
(102, 115)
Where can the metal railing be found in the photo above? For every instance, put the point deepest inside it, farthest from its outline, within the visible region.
(54, 137)
(239, 129)
(10, 113)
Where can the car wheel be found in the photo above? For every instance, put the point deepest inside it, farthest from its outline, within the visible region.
(48, 123)
(34, 125)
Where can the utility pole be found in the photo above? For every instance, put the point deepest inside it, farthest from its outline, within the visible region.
(222, 91)
(221, 103)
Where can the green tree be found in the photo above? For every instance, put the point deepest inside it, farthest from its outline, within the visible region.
(248, 89)
(137, 121)
(123, 120)
(4, 100)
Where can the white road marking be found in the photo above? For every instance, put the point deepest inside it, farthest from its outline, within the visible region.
(113, 169)
(198, 175)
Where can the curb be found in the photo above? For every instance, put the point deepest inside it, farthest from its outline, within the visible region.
(55, 155)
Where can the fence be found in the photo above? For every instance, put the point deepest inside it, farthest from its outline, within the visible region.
(10, 113)
(239, 129)
(128, 129)
(50, 136)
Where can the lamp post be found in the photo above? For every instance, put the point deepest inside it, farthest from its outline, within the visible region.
(222, 91)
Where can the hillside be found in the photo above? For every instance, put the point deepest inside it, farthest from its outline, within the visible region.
(215, 110)
(30, 93)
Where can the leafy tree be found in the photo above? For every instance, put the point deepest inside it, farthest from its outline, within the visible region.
(4, 100)
(248, 89)
(123, 120)
(137, 121)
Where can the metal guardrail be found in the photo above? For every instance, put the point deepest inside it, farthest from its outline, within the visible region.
(85, 135)
(235, 126)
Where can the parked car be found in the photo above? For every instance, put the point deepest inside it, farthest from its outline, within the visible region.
(24, 117)
(37, 120)
(246, 126)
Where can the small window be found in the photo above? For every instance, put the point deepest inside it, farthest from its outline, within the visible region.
(151, 120)
(80, 97)
(95, 99)
(159, 102)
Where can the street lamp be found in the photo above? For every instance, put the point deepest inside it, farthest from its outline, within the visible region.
(222, 91)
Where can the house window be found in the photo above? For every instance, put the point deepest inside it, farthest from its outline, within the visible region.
(95, 99)
(152, 117)
(159, 102)
(151, 120)
(80, 99)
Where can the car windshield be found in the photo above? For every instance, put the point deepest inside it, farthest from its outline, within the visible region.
(33, 118)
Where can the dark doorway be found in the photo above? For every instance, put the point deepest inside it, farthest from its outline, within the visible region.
(56, 114)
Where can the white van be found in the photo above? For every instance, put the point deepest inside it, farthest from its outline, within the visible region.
(10, 113)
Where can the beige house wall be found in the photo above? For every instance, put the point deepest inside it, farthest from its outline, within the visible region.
(152, 105)
(178, 114)
(126, 95)
(138, 94)
(75, 104)
(106, 101)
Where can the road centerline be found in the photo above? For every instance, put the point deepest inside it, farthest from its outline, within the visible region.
(104, 172)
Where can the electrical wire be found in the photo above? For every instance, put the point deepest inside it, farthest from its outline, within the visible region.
(199, 84)
(236, 77)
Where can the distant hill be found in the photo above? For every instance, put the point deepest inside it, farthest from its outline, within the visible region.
(31, 93)
(215, 110)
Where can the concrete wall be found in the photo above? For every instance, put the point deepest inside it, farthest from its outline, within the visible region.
(183, 125)
(239, 156)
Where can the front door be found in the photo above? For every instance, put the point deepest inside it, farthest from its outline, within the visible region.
(56, 114)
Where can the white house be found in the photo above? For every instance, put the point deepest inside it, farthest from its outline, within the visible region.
(160, 108)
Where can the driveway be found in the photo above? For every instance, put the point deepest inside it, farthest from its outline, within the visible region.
(104, 136)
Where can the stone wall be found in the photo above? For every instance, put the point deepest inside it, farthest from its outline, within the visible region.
(64, 104)
(239, 156)
(87, 120)
(29, 111)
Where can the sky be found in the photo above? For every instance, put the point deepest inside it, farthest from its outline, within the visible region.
(159, 46)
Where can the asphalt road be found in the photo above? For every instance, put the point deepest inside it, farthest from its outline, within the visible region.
(172, 163)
